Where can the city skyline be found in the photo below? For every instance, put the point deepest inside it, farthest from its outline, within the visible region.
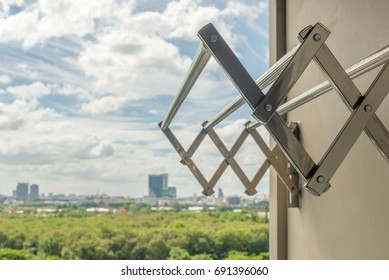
(36, 191)
(83, 86)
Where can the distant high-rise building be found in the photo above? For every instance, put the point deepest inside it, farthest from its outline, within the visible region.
(220, 193)
(172, 192)
(234, 200)
(34, 192)
(22, 191)
(158, 184)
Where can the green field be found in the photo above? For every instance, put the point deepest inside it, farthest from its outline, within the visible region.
(162, 235)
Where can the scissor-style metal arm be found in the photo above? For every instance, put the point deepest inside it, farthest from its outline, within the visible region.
(312, 47)
(274, 157)
(288, 158)
(234, 69)
(275, 125)
(350, 132)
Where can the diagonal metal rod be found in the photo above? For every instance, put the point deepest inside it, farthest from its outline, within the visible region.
(263, 82)
(354, 71)
(201, 59)
(350, 132)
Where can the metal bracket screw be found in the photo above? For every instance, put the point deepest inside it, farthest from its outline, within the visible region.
(368, 108)
(317, 37)
(268, 107)
(320, 179)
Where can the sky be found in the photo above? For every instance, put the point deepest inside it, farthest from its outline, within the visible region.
(84, 84)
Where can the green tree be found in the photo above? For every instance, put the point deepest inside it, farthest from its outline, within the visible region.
(236, 255)
(52, 244)
(13, 254)
(177, 253)
(157, 249)
(202, 257)
(81, 235)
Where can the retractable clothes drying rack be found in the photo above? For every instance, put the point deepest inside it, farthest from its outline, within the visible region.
(288, 158)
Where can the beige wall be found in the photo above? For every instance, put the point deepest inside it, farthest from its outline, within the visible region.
(351, 220)
(278, 194)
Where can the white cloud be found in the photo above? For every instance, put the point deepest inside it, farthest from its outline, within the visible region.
(39, 89)
(20, 113)
(5, 79)
(71, 17)
(131, 55)
(153, 112)
(68, 90)
(44, 19)
(184, 18)
(237, 9)
(109, 56)
(105, 105)
(26, 23)
(6, 4)
(24, 68)
(135, 58)
(92, 147)
(140, 72)
(31, 91)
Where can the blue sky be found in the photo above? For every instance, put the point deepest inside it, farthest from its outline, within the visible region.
(83, 85)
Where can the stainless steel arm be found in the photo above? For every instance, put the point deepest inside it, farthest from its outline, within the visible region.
(214, 45)
(267, 109)
(314, 38)
(201, 59)
(262, 82)
(254, 96)
(354, 71)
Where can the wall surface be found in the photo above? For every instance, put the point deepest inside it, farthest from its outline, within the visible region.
(278, 194)
(351, 220)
